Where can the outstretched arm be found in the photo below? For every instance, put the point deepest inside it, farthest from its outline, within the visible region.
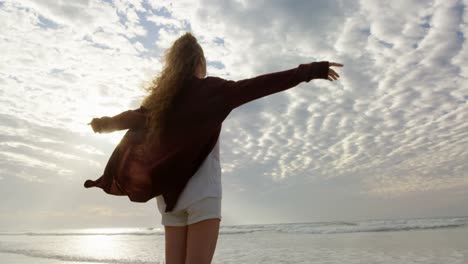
(240, 92)
(133, 118)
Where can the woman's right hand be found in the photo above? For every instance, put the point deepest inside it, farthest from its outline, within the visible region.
(333, 75)
(96, 125)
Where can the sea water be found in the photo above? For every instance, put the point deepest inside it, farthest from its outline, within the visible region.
(436, 240)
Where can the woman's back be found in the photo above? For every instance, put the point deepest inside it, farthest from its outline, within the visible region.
(194, 127)
(206, 182)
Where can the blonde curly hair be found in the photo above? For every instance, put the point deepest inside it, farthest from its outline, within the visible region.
(180, 63)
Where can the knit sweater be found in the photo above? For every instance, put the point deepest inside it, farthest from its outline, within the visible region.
(194, 124)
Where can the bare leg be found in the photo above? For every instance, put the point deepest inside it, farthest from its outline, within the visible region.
(176, 237)
(201, 241)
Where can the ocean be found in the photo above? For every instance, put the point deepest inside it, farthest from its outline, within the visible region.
(424, 240)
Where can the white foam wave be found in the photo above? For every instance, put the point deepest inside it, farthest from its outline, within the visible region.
(46, 255)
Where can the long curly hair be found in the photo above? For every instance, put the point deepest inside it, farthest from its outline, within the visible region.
(180, 62)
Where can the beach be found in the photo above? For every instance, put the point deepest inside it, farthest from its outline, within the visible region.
(383, 241)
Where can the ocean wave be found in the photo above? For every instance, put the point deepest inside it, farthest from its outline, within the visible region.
(45, 255)
(81, 233)
(381, 229)
(296, 228)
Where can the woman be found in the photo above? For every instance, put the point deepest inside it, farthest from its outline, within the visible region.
(185, 110)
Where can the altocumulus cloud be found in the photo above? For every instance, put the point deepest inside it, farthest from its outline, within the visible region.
(385, 139)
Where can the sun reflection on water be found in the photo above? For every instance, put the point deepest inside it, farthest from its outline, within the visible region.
(100, 243)
(110, 245)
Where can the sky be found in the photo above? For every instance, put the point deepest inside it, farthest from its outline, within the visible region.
(388, 140)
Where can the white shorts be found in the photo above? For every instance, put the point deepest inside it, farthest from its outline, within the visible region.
(206, 208)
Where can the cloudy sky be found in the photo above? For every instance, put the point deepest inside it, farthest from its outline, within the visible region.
(388, 140)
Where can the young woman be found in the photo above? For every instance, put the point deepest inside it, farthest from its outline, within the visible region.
(183, 114)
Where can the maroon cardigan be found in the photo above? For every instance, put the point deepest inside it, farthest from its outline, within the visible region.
(195, 126)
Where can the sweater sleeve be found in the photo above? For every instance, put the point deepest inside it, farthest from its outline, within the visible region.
(133, 118)
(240, 92)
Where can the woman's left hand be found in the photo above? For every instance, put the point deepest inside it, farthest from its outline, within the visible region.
(333, 75)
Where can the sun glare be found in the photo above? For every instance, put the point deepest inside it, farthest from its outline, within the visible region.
(98, 245)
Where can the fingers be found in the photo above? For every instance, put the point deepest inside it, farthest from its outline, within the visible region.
(335, 64)
(94, 125)
(333, 75)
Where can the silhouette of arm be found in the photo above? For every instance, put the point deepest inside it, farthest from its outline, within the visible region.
(133, 118)
(237, 93)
